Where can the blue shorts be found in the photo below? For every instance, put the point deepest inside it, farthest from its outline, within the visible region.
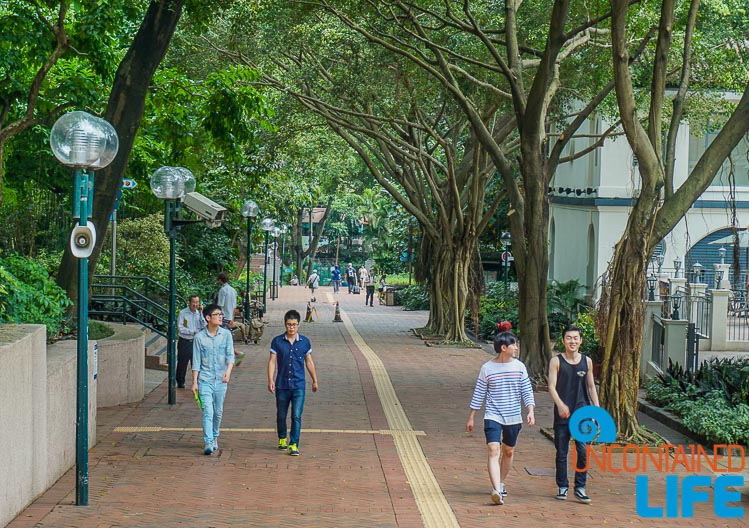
(496, 432)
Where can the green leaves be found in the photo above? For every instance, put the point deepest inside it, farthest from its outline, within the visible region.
(29, 295)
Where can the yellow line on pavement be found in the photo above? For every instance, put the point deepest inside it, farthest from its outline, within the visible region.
(433, 506)
(387, 432)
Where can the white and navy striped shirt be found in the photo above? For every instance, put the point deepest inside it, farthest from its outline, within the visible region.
(502, 385)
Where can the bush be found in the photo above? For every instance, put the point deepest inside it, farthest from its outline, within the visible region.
(414, 297)
(711, 402)
(497, 305)
(29, 295)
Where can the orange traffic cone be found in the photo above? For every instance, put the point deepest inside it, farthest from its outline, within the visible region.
(337, 318)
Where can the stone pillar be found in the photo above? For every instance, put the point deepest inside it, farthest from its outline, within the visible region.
(722, 272)
(719, 319)
(696, 292)
(675, 342)
(652, 309)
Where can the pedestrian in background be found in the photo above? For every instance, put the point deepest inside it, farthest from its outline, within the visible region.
(382, 287)
(290, 353)
(363, 276)
(350, 277)
(212, 362)
(336, 278)
(501, 384)
(190, 321)
(371, 283)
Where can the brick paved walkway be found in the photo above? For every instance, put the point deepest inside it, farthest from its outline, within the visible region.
(383, 444)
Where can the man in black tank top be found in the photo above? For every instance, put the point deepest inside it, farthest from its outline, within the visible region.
(571, 386)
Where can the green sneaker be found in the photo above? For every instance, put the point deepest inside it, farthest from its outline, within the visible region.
(282, 444)
(293, 450)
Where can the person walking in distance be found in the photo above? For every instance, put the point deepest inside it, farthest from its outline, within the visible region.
(313, 282)
(336, 278)
(190, 321)
(363, 276)
(371, 283)
(350, 277)
(290, 353)
(501, 383)
(212, 363)
(571, 386)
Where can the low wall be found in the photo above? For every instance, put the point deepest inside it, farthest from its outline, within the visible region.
(122, 363)
(38, 410)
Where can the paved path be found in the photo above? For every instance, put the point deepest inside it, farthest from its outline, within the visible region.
(383, 445)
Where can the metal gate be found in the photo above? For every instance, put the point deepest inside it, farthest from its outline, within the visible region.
(658, 342)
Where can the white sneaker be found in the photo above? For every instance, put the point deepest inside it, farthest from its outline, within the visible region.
(497, 497)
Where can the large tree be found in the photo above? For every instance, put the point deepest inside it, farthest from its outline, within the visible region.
(683, 42)
(125, 112)
(502, 87)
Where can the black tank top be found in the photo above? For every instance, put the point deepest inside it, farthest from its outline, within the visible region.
(572, 386)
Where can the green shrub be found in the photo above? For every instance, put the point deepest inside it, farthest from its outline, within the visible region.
(415, 297)
(711, 402)
(29, 295)
(497, 304)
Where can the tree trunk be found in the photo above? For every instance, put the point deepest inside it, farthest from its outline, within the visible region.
(449, 289)
(621, 313)
(125, 112)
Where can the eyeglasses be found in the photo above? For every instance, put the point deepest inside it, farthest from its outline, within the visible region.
(217, 314)
(292, 325)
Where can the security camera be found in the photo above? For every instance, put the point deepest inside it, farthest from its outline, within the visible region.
(208, 210)
(83, 240)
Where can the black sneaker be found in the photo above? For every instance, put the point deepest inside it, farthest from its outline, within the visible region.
(562, 494)
(581, 496)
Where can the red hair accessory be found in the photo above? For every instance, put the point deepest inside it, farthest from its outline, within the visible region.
(504, 326)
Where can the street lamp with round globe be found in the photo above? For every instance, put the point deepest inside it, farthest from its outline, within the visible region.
(249, 210)
(86, 143)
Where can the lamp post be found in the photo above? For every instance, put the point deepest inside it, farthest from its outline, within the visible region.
(274, 281)
(677, 267)
(266, 225)
(86, 143)
(171, 184)
(651, 286)
(659, 259)
(677, 305)
(249, 210)
(697, 271)
(506, 238)
(283, 248)
(722, 253)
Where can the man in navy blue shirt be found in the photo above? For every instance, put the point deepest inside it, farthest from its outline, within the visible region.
(290, 353)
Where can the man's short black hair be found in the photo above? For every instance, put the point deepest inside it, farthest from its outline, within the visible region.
(572, 328)
(222, 277)
(504, 339)
(208, 309)
(292, 315)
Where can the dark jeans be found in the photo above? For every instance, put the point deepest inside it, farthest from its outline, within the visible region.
(350, 282)
(184, 356)
(370, 296)
(284, 398)
(562, 443)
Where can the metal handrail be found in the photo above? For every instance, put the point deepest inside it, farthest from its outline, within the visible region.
(133, 306)
(147, 280)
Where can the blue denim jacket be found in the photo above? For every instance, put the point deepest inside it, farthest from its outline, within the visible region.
(290, 361)
(211, 355)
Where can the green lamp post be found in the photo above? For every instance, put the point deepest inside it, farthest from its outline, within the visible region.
(85, 143)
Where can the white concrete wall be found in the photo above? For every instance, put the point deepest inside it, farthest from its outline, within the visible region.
(37, 410)
(122, 363)
(23, 413)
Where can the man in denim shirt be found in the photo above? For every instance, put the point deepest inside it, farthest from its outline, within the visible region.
(290, 353)
(212, 362)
